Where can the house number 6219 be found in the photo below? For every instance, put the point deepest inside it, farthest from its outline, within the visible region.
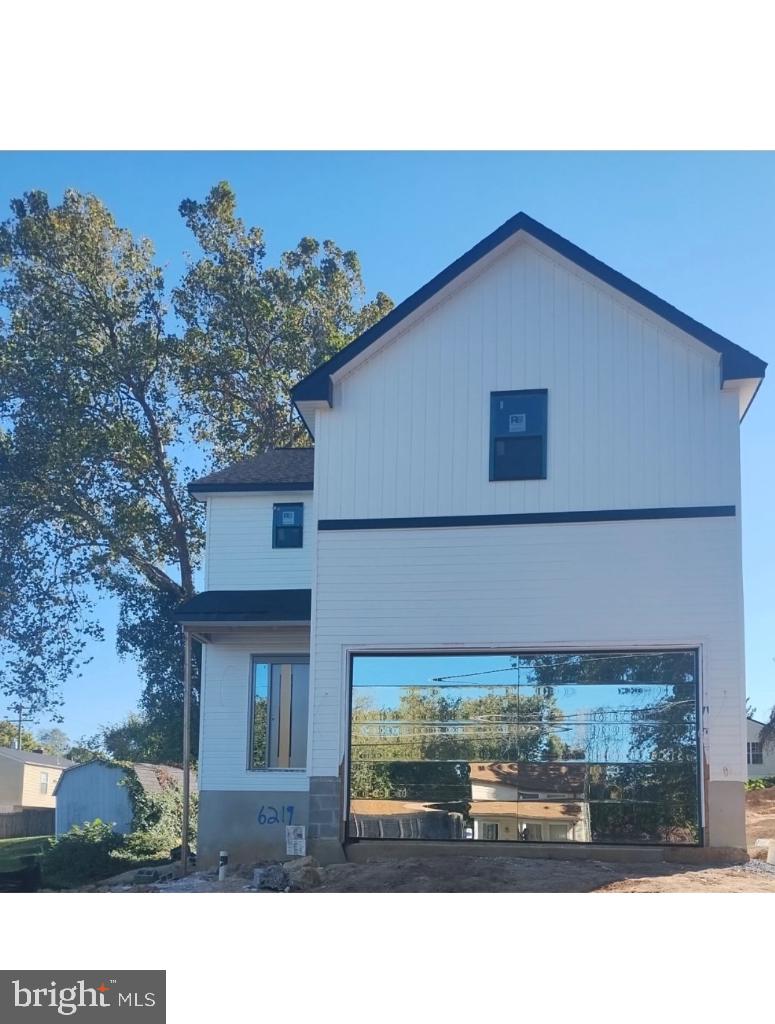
(268, 815)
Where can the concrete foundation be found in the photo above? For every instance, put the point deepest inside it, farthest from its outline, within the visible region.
(244, 824)
(725, 803)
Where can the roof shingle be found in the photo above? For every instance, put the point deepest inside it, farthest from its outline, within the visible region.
(280, 469)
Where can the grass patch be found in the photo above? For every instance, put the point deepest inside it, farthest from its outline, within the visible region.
(13, 850)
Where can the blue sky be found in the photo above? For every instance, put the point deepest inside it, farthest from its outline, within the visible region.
(696, 229)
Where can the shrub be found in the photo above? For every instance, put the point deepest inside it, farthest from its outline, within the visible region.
(766, 783)
(157, 820)
(81, 855)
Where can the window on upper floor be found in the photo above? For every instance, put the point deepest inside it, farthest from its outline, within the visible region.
(44, 782)
(518, 435)
(755, 755)
(279, 697)
(288, 525)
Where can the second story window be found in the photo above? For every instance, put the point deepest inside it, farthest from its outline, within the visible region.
(288, 526)
(44, 782)
(518, 435)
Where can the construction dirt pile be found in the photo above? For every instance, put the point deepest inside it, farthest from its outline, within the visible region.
(492, 874)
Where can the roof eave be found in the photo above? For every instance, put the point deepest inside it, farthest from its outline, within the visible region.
(736, 362)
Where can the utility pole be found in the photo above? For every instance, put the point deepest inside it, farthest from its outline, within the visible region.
(19, 710)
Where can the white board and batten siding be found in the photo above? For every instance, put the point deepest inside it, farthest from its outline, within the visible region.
(226, 708)
(636, 416)
(636, 419)
(239, 553)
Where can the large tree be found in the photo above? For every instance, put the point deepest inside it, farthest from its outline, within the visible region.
(253, 330)
(100, 398)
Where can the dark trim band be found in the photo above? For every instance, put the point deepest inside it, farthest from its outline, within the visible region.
(221, 488)
(529, 518)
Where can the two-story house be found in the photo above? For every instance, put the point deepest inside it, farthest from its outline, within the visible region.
(511, 577)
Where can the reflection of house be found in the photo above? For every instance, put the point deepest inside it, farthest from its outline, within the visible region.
(523, 802)
(547, 822)
(532, 453)
(27, 778)
(761, 759)
(538, 781)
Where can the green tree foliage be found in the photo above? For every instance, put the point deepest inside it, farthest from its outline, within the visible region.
(100, 397)
(54, 741)
(9, 733)
(254, 330)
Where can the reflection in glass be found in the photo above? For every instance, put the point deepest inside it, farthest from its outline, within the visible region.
(551, 747)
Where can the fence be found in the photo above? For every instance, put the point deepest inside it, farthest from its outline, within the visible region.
(35, 821)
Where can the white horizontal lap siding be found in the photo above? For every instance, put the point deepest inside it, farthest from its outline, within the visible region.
(639, 584)
(239, 553)
(225, 710)
(636, 417)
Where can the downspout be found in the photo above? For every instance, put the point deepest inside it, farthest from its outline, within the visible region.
(186, 749)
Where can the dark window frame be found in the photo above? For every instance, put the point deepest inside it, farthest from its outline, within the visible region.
(409, 651)
(494, 395)
(271, 660)
(277, 508)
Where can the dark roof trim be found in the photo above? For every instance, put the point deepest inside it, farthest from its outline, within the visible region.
(220, 488)
(254, 606)
(736, 362)
(529, 518)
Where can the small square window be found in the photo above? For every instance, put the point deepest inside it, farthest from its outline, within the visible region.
(518, 435)
(288, 526)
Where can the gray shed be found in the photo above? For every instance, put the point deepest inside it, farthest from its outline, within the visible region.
(93, 790)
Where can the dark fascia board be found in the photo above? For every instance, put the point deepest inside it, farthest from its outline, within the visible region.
(736, 362)
(247, 606)
(529, 518)
(220, 488)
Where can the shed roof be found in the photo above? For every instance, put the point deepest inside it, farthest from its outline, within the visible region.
(31, 757)
(280, 469)
(152, 777)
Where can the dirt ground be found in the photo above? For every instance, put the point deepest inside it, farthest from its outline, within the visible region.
(506, 874)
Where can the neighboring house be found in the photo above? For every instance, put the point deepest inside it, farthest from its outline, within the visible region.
(96, 789)
(518, 543)
(28, 778)
(761, 759)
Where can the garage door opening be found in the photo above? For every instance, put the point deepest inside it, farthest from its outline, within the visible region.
(583, 747)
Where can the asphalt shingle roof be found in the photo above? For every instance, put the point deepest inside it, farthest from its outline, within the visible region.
(280, 469)
(30, 757)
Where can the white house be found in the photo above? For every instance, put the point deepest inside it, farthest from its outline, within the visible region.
(519, 545)
(761, 758)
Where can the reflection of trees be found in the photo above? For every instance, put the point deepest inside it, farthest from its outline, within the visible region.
(260, 723)
(420, 747)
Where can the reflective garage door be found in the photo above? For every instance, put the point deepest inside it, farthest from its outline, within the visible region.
(551, 747)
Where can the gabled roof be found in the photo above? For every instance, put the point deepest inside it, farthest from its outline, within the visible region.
(259, 606)
(152, 777)
(736, 362)
(280, 469)
(30, 757)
